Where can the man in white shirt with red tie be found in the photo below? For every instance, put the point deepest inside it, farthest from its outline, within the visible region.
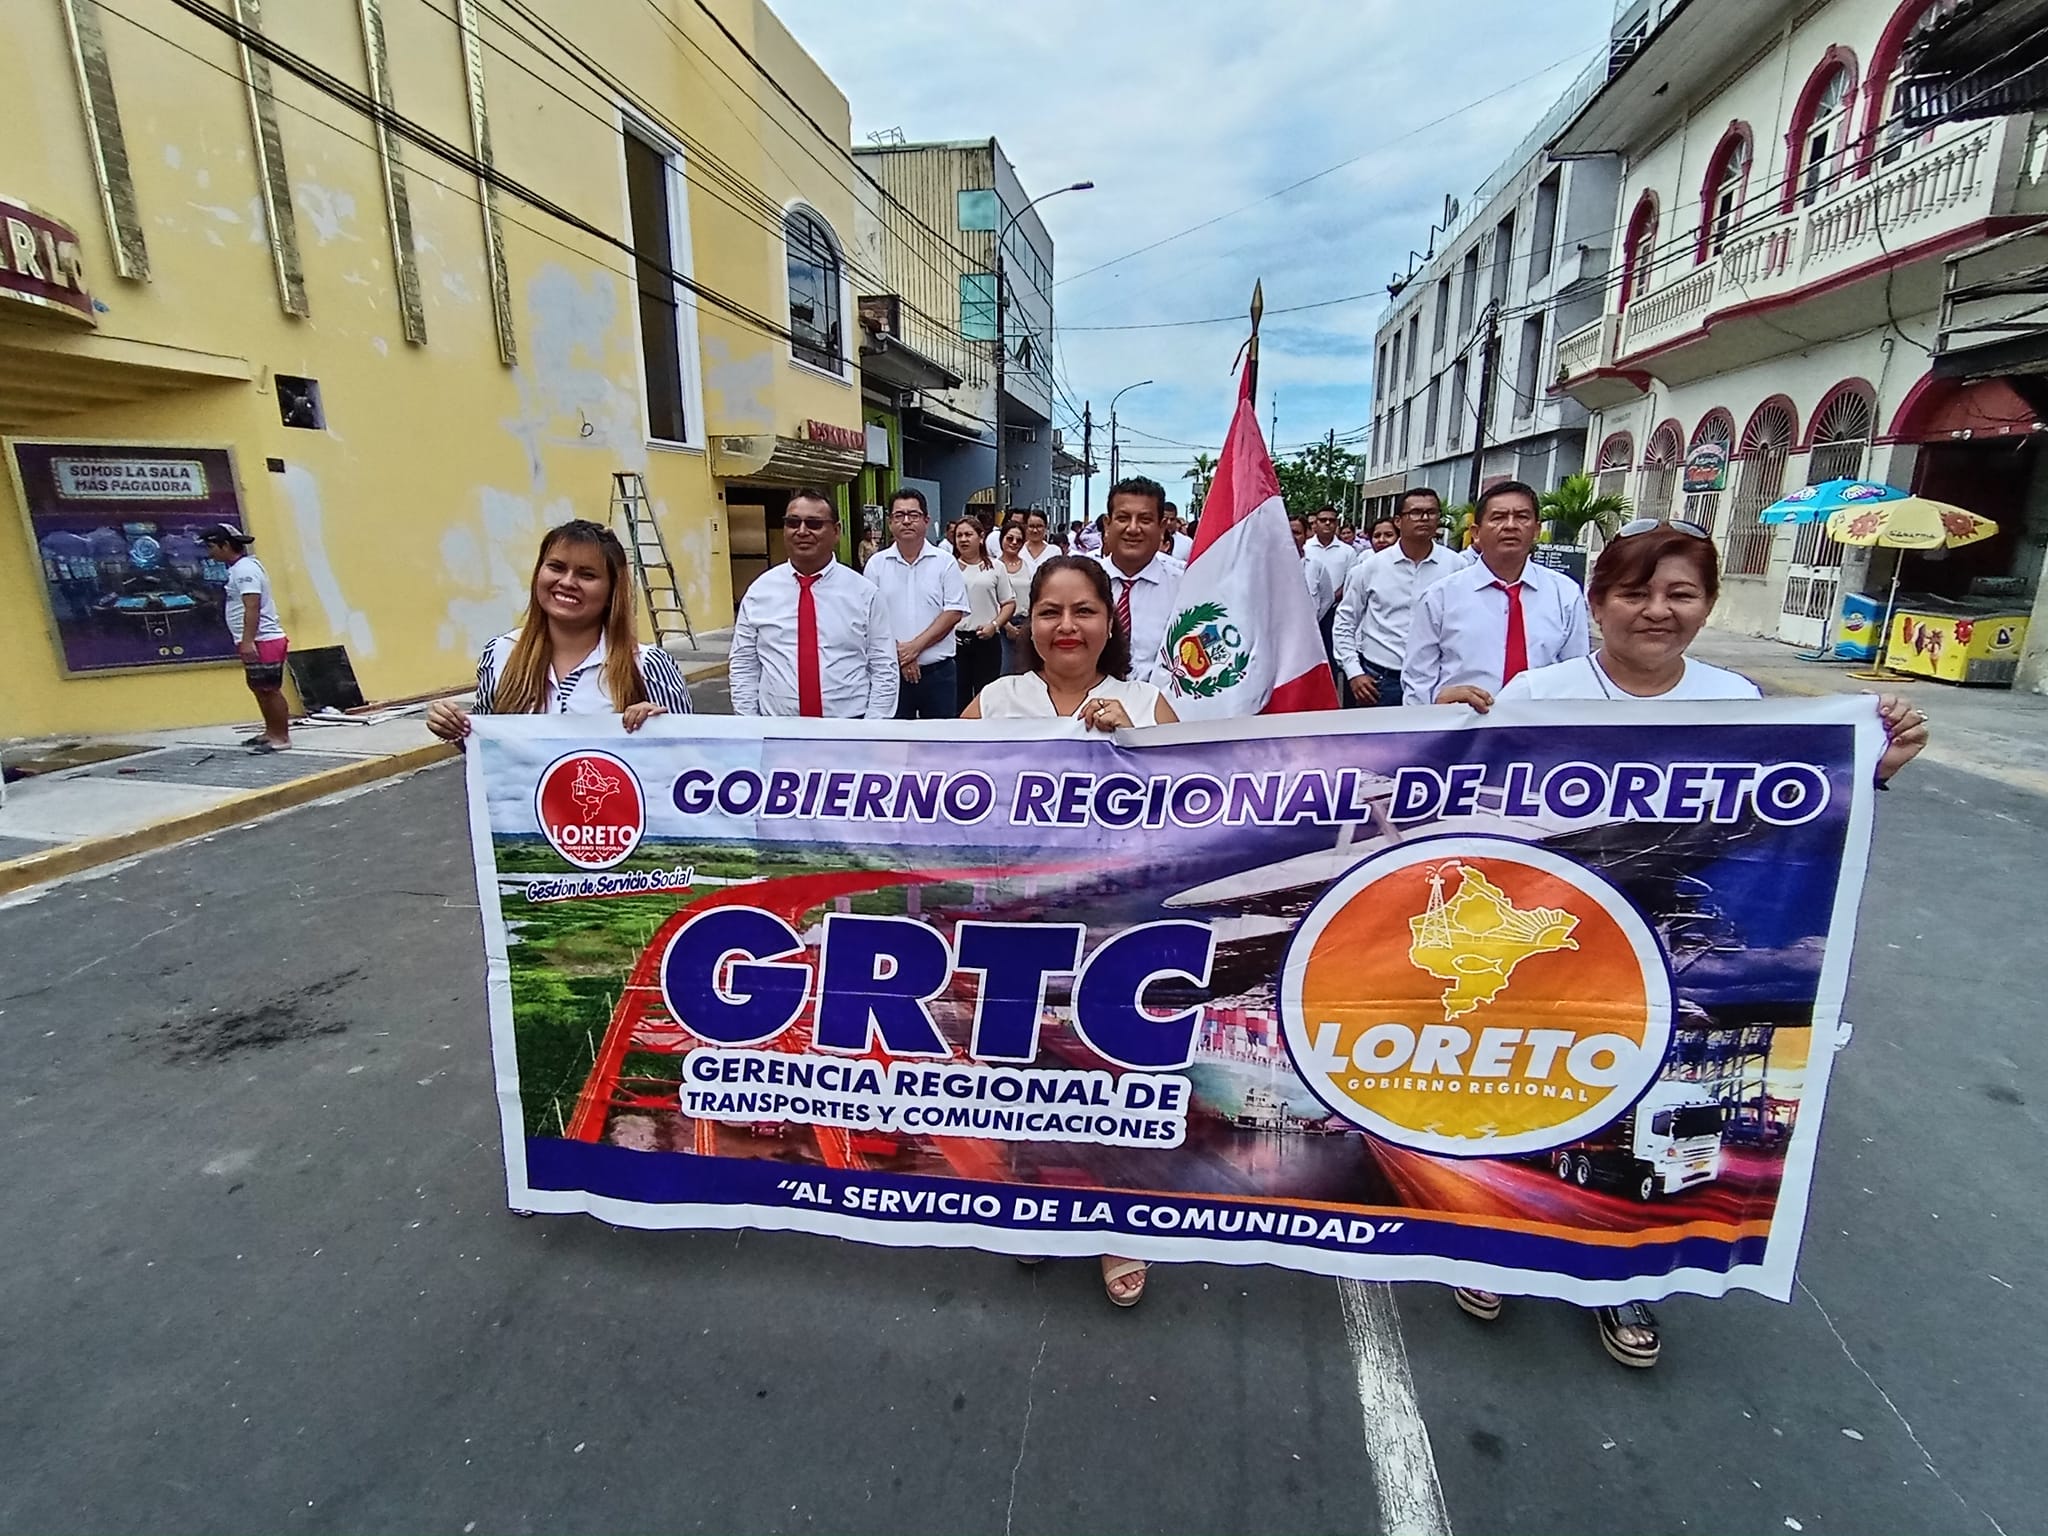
(926, 597)
(812, 636)
(1499, 617)
(1143, 580)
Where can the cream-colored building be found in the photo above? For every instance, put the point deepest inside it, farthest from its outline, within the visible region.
(255, 267)
(1782, 237)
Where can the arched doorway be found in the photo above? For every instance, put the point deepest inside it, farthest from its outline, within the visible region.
(1983, 450)
(1840, 435)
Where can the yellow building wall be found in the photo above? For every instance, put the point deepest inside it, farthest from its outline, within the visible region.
(407, 529)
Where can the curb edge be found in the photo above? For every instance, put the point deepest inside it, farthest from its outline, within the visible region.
(69, 858)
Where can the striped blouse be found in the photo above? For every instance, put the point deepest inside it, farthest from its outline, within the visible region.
(582, 692)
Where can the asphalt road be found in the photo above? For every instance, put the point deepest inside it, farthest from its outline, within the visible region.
(258, 1275)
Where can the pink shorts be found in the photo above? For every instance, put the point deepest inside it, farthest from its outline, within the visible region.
(267, 670)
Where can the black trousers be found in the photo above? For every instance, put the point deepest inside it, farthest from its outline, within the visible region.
(980, 663)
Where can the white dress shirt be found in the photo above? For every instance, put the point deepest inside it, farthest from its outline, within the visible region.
(1087, 539)
(1459, 632)
(1183, 548)
(1322, 590)
(917, 591)
(1153, 592)
(1335, 557)
(857, 672)
(1033, 561)
(1378, 602)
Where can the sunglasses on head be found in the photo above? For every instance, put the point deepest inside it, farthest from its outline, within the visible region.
(813, 524)
(1634, 526)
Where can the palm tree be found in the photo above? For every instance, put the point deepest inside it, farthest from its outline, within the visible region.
(1573, 505)
(1202, 473)
(1457, 524)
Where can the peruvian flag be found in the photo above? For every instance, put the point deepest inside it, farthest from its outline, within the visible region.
(1244, 639)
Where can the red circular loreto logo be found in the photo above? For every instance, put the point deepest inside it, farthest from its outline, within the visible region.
(1476, 996)
(590, 806)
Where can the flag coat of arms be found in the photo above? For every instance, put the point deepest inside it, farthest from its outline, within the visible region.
(1243, 639)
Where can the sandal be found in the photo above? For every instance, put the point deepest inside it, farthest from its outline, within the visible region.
(1483, 1305)
(1638, 1318)
(1116, 1270)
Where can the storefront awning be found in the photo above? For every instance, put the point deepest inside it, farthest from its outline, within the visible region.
(49, 372)
(765, 458)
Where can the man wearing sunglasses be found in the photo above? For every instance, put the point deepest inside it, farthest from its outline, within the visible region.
(1369, 632)
(812, 636)
(926, 599)
(1498, 617)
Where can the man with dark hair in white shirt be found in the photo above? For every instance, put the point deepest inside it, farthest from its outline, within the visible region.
(1143, 582)
(1497, 618)
(921, 587)
(1370, 630)
(812, 636)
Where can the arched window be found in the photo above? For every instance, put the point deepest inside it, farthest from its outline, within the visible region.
(1723, 191)
(1662, 461)
(1610, 470)
(1841, 432)
(816, 331)
(1766, 443)
(1885, 132)
(1816, 144)
(1718, 428)
(1639, 254)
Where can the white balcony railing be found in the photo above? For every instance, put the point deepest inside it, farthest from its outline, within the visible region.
(1946, 186)
(1894, 206)
(1668, 310)
(1586, 349)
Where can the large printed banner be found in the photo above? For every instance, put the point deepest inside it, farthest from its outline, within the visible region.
(1543, 1007)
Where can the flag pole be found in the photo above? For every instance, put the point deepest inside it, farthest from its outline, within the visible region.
(1252, 347)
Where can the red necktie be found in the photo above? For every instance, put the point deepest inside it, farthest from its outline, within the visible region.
(1518, 634)
(810, 691)
(1123, 605)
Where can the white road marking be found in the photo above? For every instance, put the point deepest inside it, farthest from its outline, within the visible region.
(1403, 1467)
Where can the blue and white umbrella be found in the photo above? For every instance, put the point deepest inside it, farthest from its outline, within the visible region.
(1817, 503)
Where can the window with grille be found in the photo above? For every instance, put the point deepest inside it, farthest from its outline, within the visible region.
(1702, 508)
(1759, 481)
(1725, 198)
(1610, 474)
(1662, 461)
(1841, 438)
(815, 334)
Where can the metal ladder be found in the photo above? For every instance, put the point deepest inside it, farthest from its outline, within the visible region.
(658, 586)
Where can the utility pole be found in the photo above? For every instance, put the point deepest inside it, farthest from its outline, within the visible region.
(1087, 461)
(1489, 359)
(1114, 463)
(1002, 343)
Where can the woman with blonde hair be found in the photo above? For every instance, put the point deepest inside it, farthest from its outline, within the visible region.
(576, 651)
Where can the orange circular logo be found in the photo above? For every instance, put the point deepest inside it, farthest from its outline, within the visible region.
(1476, 996)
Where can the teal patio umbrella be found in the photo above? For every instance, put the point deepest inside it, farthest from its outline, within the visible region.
(1817, 503)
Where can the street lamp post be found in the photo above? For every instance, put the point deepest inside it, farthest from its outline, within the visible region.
(1113, 475)
(1002, 439)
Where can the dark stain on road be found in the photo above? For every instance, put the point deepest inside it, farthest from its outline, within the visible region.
(1488, 1444)
(1998, 1093)
(304, 1013)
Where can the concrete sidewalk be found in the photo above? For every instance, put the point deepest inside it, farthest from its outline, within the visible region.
(1990, 731)
(73, 803)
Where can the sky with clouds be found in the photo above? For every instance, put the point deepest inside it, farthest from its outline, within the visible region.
(1183, 110)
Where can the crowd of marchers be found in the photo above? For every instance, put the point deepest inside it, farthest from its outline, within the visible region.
(1018, 625)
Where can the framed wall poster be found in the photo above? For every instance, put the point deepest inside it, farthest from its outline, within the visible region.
(115, 529)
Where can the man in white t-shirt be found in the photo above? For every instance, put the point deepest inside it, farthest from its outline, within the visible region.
(258, 635)
(921, 587)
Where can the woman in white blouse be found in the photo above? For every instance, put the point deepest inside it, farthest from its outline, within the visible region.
(575, 651)
(1650, 592)
(1077, 665)
(991, 599)
(1017, 566)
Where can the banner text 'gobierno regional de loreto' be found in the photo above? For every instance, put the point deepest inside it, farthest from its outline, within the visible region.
(1542, 1008)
